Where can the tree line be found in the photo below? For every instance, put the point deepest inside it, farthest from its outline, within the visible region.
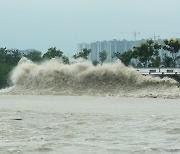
(144, 55)
(10, 58)
(147, 54)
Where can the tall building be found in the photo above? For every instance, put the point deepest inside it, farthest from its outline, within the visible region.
(109, 46)
(113, 46)
(81, 46)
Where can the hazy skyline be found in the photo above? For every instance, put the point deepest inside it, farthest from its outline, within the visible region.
(41, 24)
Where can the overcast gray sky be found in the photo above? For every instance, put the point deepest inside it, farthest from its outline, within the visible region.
(41, 24)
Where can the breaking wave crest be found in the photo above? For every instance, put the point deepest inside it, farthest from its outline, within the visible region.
(82, 78)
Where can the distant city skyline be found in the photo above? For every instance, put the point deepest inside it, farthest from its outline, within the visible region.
(41, 24)
(110, 46)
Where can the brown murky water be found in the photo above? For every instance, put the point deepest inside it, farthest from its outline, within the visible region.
(84, 124)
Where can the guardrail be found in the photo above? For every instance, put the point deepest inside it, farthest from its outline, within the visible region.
(158, 71)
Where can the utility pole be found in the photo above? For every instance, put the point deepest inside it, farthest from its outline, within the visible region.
(135, 35)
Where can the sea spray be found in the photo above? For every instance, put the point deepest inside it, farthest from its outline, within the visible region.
(82, 78)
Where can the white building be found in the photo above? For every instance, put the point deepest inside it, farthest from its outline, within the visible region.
(109, 46)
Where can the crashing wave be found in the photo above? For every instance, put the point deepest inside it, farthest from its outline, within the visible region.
(82, 78)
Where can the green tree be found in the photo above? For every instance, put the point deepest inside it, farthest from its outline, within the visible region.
(95, 62)
(8, 60)
(139, 65)
(13, 56)
(155, 61)
(146, 51)
(167, 61)
(173, 46)
(5, 69)
(52, 53)
(3, 53)
(125, 57)
(34, 55)
(102, 56)
(84, 54)
(65, 59)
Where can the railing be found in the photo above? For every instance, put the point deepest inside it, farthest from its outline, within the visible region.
(158, 71)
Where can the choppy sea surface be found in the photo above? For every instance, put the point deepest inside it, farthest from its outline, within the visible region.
(88, 124)
(55, 108)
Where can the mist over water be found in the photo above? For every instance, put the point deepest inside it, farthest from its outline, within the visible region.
(82, 78)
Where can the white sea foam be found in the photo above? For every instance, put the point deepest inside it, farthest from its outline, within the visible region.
(82, 78)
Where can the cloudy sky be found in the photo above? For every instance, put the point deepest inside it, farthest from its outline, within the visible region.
(40, 24)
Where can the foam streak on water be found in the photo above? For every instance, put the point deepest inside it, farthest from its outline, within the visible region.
(82, 78)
